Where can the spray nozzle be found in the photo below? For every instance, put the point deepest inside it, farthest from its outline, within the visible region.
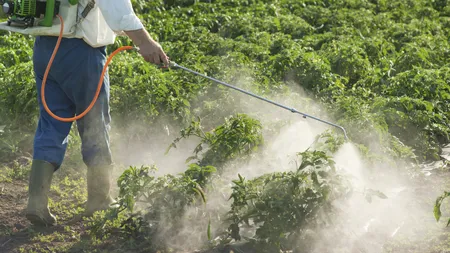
(171, 65)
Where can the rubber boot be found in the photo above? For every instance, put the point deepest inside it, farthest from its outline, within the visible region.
(37, 211)
(99, 188)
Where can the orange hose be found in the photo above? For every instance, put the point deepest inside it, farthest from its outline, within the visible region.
(99, 83)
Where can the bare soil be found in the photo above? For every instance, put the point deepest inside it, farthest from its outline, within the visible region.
(17, 234)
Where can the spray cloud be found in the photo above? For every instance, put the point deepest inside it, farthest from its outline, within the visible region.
(360, 225)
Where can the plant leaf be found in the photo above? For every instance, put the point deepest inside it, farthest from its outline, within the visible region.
(209, 229)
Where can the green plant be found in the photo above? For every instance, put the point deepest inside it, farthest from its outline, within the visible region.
(238, 136)
(279, 206)
(437, 206)
(150, 206)
(18, 171)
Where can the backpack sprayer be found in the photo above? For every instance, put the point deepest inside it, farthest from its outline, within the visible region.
(28, 13)
(25, 12)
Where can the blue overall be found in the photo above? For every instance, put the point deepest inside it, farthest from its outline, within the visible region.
(70, 87)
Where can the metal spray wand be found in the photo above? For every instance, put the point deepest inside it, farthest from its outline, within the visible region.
(175, 65)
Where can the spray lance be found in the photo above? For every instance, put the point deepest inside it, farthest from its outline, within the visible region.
(175, 65)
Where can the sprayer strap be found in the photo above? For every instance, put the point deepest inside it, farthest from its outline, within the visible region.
(86, 11)
(88, 8)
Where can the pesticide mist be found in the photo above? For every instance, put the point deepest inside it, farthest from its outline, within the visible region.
(381, 205)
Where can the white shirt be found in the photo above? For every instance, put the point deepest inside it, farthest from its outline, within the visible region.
(119, 15)
(106, 20)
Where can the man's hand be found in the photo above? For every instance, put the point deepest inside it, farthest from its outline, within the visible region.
(148, 48)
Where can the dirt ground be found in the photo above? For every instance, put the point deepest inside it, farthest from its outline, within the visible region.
(16, 233)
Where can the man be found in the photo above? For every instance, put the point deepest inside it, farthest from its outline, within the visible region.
(70, 88)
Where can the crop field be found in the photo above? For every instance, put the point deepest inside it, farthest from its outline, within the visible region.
(203, 168)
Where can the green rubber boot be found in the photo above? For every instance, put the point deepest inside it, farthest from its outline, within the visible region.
(99, 192)
(37, 211)
(99, 189)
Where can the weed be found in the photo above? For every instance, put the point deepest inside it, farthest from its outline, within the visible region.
(19, 171)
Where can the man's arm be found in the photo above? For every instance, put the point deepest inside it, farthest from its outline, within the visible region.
(120, 16)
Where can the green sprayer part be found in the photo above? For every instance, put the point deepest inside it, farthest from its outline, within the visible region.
(27, 8)
(49, 13)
